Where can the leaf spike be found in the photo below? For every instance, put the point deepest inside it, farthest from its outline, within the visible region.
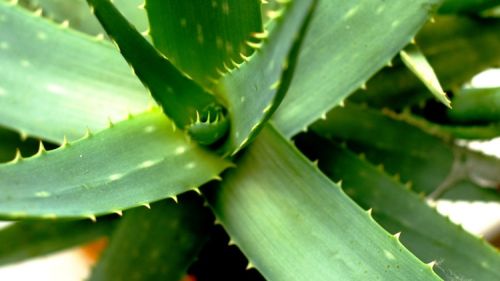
(413, 41)
(146, 205)
(342, 103)
(23, 135)
(274, 14)
(432, 264)
(65, 24)
(226, 67)
(197, 190)
(264, 2)
(65, 142)
(41, 149)
(369, 211)
(397, 177)
(363, 86)
(142, 6)
(18, 157)
(220, 72)
(231, 242)
(315, 163)
(146, 32)
(110, 123)
(217, 222)
(249, 266)
(173, 197)
(235, 64)
(323, 116)
(409, 185)
(339, 183)
(118, 212)
(92, 218)
(260, 35)
(389, 63)
(88, 134)
(432, 20)
(397, 235)
(254, 45)
(380, 167)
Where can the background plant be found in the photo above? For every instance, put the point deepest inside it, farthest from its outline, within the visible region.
(235, 91)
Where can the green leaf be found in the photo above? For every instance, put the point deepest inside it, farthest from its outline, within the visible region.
(254, 90)
(476, 105)
(427, 161)
(471, 41)
(85, 84)
(294, 224)
(132, 163)
(78, 14)
(202, 36)
(25, 240)
(415, 60)
(430, 236)
(180, 97)
(469, 191)
(348, 42)
(156, 244)
(467, 6)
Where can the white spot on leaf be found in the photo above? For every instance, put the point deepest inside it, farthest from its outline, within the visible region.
(180, 150)
(147, 164)
(42, 194)
(115, 177)
(149, 129)
(190, 165)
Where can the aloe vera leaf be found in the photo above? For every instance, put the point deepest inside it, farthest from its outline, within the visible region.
(25, 240)
(416, 62)
(85, 84)
(133, 163)
(11, 141)
(293, 223)
(428, 235)
(467, 6)
(180, 97)
(469, 191)
(345, 45)
(156, 244)
(201, 36)
(78, 14)
(423, 159)
(254, 90)
(476, 105)
(472, 41)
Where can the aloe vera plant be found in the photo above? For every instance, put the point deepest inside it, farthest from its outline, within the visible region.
(200, 133)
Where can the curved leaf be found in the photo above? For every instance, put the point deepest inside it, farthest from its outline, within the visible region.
(86, 83)
(294, 224)
(132, 163)
(476, 105)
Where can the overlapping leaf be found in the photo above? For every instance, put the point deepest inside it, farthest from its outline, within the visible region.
(133, 163)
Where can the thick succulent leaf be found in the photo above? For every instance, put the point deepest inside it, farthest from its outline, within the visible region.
(25, 240)
(476, 105)
(348, 42)
(416, 62)
(85, 83)
(469, 191)
(459, 255)
(178, 94)
(156, 244)
(202, 36)
(254, 90)
(78, 14)
(467, 6)
(472, 42)
(132, 163)
(293, 223)
(425, 160)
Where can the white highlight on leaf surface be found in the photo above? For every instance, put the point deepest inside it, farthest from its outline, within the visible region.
(114, 177)
(41, 35)
(42, 194)
(4, 45)
(147, 164)
(25, 63)
(56, 89)
(190, 165)
(149, 129)
(352, 12)
(2, 92)
(389, 255)
(180, 150)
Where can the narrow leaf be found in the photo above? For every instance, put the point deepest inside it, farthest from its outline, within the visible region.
(25, 240)
(86, 83)
(201, 36)
(156, 244)
(132, 163)
(347, 43)
(415, 60)
(178, 94)
(254, 90)
(430, 236)
(294, 224)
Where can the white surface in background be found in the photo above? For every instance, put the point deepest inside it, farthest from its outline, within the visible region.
(487, 79)
(65, 266)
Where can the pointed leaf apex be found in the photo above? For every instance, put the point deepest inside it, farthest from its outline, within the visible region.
(397, 235)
